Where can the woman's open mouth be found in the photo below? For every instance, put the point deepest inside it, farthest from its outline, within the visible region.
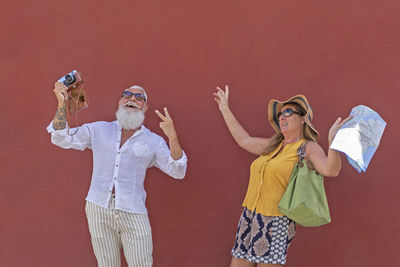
(284, 125)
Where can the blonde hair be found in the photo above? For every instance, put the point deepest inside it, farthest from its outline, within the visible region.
(308, 133)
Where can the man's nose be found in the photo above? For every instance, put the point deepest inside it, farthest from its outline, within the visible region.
(133, 97)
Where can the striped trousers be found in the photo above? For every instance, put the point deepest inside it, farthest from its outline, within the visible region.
(111, 229)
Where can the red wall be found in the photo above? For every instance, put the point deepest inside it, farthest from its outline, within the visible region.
(338, 53)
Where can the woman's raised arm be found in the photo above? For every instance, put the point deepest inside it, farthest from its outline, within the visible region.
(253, 145)
(326, 165)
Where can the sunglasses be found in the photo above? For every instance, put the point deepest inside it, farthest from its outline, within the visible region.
(138, 96)
(287, 112)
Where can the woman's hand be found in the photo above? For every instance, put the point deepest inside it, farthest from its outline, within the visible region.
(335, 128)
(222, 97)
(60, 90)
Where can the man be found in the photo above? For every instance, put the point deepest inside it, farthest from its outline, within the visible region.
(122, 151)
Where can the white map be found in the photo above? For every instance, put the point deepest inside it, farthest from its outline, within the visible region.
(359, 138)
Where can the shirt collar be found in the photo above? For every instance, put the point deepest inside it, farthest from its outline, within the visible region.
(141, 130)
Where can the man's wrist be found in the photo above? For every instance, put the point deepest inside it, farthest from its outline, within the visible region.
(59, 125)
(173, 138)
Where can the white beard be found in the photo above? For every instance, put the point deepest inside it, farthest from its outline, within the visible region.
(129, 120)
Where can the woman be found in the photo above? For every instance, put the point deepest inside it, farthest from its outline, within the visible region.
(264, 233)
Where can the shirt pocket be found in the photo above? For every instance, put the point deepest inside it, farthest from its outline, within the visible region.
(141, 150)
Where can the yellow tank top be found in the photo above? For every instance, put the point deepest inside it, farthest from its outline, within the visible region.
(269, 177)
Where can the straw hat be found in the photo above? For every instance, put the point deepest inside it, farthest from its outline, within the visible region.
(275, 106)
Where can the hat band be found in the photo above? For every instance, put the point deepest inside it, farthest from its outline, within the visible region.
(305, 104)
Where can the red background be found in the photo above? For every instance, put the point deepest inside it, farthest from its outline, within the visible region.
(338, 53)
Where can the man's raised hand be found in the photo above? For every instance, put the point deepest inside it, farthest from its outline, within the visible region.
(166, 124)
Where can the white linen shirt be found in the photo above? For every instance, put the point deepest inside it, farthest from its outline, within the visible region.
(123, 167)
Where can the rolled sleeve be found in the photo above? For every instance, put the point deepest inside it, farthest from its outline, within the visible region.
(182, 161)
(80, 140)
(172, 167)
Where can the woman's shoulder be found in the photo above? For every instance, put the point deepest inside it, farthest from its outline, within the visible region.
(311, 143)
(313, 147)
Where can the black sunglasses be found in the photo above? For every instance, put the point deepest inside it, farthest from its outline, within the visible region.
(287, 112)
(138, 96)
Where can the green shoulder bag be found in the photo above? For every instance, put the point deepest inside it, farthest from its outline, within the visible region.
(304, 200)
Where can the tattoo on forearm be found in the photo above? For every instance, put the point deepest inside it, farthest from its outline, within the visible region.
(59, 119)
(60, 114)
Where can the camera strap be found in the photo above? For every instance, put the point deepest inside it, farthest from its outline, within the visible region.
(75, 102)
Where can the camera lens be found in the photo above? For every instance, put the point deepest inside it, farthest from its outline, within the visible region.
(69, 79)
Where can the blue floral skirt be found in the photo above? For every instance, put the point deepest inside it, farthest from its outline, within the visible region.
(263, 239)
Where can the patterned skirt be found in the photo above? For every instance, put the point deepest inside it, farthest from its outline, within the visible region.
(263, 239)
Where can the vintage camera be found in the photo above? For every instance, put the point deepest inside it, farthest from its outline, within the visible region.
(72, 80)
(76, 100)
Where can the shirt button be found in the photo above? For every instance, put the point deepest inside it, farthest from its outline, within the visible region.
(115, 178)
(119, 152)
(116, 165)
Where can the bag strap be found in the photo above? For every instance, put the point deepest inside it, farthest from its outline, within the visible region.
(301, 152)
